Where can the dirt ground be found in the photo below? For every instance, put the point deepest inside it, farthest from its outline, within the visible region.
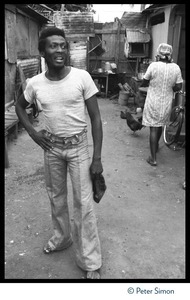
(141, 218)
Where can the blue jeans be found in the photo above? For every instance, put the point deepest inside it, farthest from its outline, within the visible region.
(76, 159)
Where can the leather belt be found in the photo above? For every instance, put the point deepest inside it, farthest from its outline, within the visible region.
(74, 139)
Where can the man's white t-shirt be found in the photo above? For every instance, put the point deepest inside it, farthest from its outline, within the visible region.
(63, 101)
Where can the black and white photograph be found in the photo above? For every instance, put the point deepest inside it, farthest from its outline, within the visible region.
(95, 140)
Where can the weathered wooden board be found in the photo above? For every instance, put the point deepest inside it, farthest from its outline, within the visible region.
(10, 33)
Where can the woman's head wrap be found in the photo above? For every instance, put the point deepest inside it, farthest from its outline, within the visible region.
(164, 51)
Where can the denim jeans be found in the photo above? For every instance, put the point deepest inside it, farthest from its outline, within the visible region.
(74, 158)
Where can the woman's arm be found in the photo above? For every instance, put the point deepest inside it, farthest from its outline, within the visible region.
(177, 87)
(145, 83)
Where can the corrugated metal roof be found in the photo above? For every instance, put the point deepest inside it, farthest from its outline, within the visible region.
(27, 9)
(137, 36)
(152, 7)
(42, 10)
(133, 20)
(29, 66)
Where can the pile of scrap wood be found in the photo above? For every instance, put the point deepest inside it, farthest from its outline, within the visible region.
(124, 87)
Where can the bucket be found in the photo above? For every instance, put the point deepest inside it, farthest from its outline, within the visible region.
(107, 66)
(123, 98)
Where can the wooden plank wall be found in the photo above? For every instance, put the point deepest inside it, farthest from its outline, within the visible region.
(21, 42)
(112, 34)
(10, 36)
(27, 32)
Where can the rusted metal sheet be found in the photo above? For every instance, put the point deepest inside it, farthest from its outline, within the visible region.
(133, 20)
(34, 36)
(109, 42)
(78, 54)
(27, 32)
(22, 36)
(42, 9)
(42, 18)
(75, 22)
(137, 36)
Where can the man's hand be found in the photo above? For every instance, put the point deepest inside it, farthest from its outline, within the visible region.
(96, 167)
(42, 139)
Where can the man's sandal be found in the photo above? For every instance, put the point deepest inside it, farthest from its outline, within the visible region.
(93, 275)
(47, 249)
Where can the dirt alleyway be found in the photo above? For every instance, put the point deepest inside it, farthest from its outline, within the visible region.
(141, 218)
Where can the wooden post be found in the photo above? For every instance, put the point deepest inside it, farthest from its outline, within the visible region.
(176, 38)
(137, 66)
(117, 48)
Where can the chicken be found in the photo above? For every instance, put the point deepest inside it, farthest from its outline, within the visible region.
(123, 115)
(133, 124)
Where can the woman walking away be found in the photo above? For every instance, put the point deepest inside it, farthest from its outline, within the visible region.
(163, 78)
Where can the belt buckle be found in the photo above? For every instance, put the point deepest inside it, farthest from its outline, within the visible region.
(77, 137)
(50, 136)
(75, 140)
(64, 141)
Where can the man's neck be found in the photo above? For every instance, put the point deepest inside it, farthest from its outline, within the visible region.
(57, 74)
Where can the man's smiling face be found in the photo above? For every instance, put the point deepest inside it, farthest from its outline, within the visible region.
(56, 50)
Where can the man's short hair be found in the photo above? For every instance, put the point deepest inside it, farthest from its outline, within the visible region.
(49, 32)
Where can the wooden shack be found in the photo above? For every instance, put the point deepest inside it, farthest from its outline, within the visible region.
(113, 36)
(22, 60)
(22, 26)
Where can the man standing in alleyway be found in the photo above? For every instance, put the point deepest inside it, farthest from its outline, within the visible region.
(64, 93)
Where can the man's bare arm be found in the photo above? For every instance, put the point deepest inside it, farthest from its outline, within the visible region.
(38, 137)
